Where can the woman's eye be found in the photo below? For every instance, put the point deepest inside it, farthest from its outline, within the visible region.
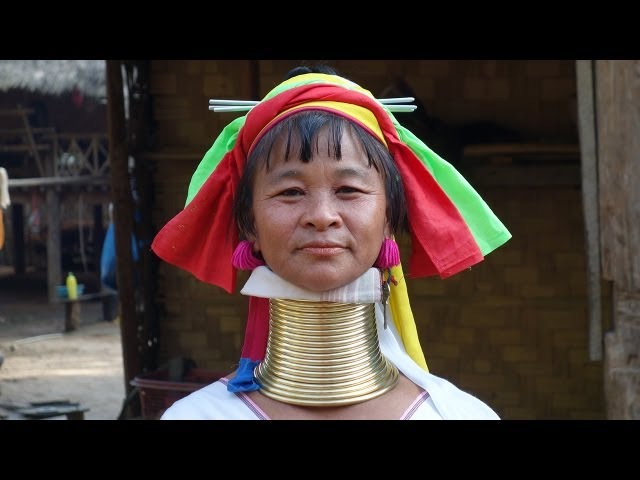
(290, 192)
(347, 190)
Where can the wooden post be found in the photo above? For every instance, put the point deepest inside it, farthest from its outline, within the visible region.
(98, 237)
(589, 163)
(54, 255)
(621, 363)
(71, 316)
(141, 135)
(123, 219)
(17, 225)
(618, 120)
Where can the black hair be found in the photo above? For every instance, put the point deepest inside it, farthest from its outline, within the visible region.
(301, 130)
(302, 69)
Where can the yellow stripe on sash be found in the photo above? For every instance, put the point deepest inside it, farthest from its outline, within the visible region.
(403, 318)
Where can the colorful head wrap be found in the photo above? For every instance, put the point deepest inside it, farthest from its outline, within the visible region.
(451, 227)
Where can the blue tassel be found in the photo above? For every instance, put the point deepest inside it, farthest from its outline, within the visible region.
(244, 380)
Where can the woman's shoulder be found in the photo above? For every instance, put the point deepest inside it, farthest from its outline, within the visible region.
(454, 403)
(450, 401)
(212, 402)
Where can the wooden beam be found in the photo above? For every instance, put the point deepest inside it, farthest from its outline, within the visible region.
(82, 180)
(17, 225)
(618, 144)
(54, 258)
(73, 135)
(164, 156)
(40, 147)
(32, 142)
(618, 122)
(102, 195)
(13, 112)
(98, 236)
(19, 131)
(589, 162)
(622, 362)
(123, 219)
(538, 149)
(522, 175)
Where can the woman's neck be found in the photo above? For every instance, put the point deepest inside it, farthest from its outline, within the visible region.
(323, 354)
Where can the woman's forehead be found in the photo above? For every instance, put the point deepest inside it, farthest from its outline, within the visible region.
(288, 146)
(352, 158)
(328, 166)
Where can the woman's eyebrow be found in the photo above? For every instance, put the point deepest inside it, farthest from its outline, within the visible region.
(347, 172)
(353, 172)
(277, 177)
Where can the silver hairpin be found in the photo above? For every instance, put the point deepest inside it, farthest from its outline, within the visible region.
(220, 105)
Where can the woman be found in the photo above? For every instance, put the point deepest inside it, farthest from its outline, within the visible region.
(316, 179)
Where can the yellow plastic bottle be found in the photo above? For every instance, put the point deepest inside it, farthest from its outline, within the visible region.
(72, 286)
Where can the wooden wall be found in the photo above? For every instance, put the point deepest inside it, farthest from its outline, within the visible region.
(618, 119)
(513, 329)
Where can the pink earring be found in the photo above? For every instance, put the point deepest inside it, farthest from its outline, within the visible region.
(389, 255)
(243, 257)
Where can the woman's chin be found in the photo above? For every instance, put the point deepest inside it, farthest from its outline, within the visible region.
(324, 281)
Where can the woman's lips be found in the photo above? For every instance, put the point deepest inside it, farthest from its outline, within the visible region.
(322, 249)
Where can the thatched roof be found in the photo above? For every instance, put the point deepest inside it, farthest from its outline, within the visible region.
(54, 76)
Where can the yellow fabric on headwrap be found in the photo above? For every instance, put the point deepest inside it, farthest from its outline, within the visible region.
(360, 114)
(403, 318)
(309, 78)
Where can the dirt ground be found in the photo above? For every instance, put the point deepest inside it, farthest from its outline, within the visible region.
(42, 363)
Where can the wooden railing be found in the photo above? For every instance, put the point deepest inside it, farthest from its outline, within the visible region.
(55, 154)
(28, 141)
(78, 154)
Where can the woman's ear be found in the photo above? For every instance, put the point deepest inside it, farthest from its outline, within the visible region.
(387, 229)
(253, 239)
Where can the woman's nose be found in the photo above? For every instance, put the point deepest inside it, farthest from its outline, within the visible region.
(321, 212)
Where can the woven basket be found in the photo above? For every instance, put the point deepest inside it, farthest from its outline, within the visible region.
(157, 393)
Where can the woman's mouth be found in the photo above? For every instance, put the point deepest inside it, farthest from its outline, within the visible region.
(322, 249)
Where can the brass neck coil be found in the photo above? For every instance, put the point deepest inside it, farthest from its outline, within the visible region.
(323, 354)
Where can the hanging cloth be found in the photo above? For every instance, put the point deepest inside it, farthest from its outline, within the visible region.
(1, 230)
(5, 201)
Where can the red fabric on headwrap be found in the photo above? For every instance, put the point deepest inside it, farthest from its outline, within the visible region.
(202, 237)
(441, 242)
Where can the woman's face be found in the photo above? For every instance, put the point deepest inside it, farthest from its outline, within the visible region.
(320, 225)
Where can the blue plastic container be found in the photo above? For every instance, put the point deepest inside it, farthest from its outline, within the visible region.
(61, 290)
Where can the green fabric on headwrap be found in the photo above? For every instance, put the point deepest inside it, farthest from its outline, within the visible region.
(223, 144)
(487, 230)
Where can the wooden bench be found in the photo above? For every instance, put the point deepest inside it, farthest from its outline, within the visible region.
(43, 410)
(72, 307)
